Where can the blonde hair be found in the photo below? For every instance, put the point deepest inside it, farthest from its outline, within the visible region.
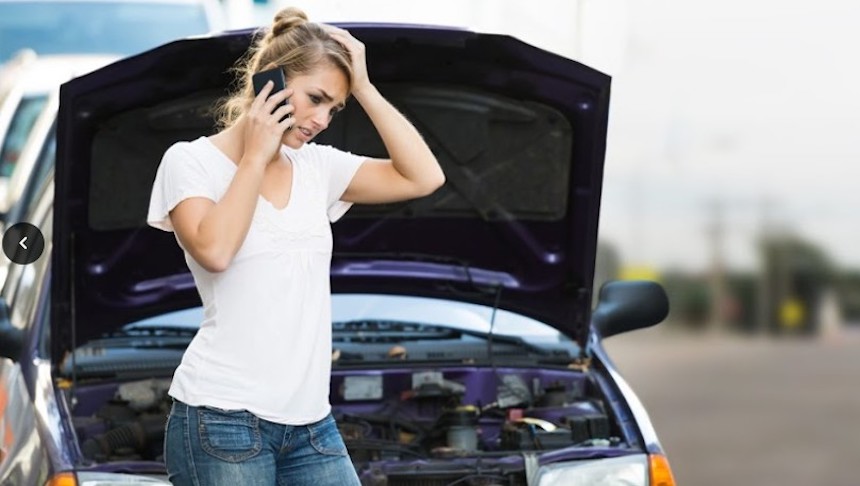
(292, 43)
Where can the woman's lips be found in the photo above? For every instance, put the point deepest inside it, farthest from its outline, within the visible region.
(307, 134)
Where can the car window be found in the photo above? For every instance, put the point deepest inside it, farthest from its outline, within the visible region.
(22, 121)
(38, 145)
(120, 27)
(44, 166)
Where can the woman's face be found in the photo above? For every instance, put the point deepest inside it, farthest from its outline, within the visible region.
(316, 97)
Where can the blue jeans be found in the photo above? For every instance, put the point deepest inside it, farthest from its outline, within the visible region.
(206, 446)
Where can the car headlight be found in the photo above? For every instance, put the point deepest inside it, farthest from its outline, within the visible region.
(618, 471)
(103, 479)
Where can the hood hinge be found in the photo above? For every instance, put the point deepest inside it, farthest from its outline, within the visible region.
(582, 364)
(582, 324)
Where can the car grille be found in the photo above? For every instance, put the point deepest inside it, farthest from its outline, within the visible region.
(508, 480)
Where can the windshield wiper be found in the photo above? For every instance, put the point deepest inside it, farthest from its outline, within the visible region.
(149, 337)
(383, 331)
(151, 331)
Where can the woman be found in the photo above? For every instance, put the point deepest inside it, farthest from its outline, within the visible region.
(251, 206)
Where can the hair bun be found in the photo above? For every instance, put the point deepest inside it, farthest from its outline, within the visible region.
(286, 19)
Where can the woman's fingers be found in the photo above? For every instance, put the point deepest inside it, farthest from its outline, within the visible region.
(276, 99)
(348, 41)
(283, 111)
(260, 99)
(266, 111)
(286, 124)
(331, 29)
(356, 51)
(343, 36)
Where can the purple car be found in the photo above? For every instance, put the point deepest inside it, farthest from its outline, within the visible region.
(465, 347)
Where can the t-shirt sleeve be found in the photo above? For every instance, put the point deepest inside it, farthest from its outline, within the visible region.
(340, 167)
(180, 176)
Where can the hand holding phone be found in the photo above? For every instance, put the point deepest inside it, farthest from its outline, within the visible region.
(275, 75)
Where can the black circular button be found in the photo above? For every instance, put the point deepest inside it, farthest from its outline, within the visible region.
(23, 243)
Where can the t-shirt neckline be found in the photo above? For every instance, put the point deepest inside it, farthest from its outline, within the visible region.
(260, 197)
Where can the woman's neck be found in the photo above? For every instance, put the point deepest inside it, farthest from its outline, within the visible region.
(231, 140)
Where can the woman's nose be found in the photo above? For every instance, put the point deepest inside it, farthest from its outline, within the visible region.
(321, 119)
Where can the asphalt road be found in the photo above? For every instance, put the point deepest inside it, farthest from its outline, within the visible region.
(734, 410)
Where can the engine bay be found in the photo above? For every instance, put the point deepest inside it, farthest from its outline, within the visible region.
(457, 412)
(392, 415)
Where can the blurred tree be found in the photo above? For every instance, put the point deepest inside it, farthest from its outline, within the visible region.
(796, 274)
(742, 292)
(607, 267)
(689, 299)
(848, 294)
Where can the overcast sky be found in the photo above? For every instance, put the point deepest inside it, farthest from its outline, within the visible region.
(751, 106)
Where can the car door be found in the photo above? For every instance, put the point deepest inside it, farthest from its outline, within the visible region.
(22, 457)
(16, 417)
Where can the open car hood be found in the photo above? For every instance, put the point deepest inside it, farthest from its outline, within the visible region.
(520, 134)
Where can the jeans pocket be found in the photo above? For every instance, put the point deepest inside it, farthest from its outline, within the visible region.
(231, 436)
(326, 439)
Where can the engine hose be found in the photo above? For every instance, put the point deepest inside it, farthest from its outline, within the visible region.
(136, 436)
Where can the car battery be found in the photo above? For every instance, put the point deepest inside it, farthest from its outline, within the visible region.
(585, 427)
(533, 438)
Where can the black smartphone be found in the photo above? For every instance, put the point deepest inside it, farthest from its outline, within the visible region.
(275, 75)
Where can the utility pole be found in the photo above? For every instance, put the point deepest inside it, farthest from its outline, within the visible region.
(716, 231)
(763, 300)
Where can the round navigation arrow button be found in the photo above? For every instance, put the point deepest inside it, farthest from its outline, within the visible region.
(23, 243)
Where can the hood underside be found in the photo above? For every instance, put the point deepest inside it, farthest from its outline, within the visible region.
(519, 132)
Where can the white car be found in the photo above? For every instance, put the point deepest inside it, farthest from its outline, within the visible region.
(29, 90)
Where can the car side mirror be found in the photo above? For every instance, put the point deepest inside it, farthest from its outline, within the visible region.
(11, 338)
(629, 305)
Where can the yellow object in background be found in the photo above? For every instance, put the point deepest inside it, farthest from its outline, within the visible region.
(791, 313)
(639, 272)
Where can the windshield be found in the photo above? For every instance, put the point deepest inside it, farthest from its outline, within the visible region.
(19, 127)
(350, 308)
(122, 28)
(366, 329)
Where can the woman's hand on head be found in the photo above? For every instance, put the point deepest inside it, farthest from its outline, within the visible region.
(360, 78)
(265, 125)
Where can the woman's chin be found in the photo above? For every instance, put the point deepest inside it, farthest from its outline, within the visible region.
(291, 141)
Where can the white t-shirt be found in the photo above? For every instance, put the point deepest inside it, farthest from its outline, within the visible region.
(265, 341)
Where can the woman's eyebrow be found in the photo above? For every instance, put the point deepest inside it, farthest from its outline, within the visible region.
(329, 99)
